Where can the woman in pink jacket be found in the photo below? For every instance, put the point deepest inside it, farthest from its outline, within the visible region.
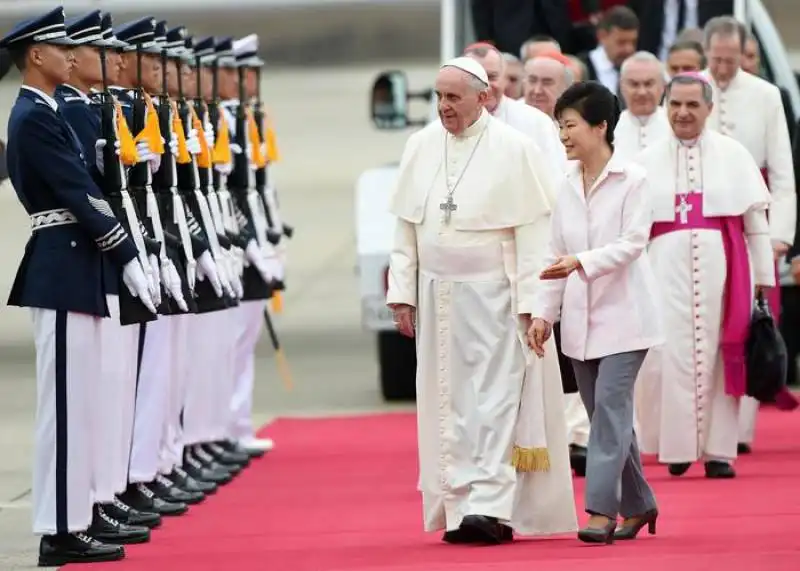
(598, 277)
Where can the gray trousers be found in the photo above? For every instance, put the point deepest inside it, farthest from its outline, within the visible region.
(615, 481)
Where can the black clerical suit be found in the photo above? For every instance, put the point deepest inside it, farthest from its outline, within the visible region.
(651, 18)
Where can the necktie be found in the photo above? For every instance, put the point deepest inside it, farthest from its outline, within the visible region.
(618, 93)
(681, 17)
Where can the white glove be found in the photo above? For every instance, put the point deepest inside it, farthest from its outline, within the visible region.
(172, 281)
(173, 146)
(144, 153)
(155, 279)
(235, 272)
(208, 131)
(225, 271)
(207, 268)
(155, 160)
(98, 154)
(193, 142)
(224, 168)
(236, 149)
(255, 256)
(274, 266)
(134, 279)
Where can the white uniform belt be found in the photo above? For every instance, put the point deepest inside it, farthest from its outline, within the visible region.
(463, 263)
(49, 218)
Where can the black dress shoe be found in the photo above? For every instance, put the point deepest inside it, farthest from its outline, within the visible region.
(166, 489)
(123, 513)
(140, 497)
(719, 470)
(484, 529)
(210, 462)
(108, 530)
(234, 448)
(186, 482)
(577, 459)
(679, 469)
(222, 456)
(743, 448)
(198, 471)
(62, 549)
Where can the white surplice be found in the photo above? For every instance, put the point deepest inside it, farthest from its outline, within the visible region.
(750, 110)
(683, 411)
(540, 127)
(633, 134)
(469, 279)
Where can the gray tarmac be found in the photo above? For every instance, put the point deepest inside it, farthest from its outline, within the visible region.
(326, 141)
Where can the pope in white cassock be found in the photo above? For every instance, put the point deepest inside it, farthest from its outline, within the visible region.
(750, 110)
(644, 121)
(473, 213)
(710, 244)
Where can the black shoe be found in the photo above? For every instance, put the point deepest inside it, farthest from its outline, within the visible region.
(603, 534)
(484, 529)
(743, 448)
(208, 461)
(186, 482)
(679, 469)
(62, 549)
(630, 531)
(108, 530)
(225, 458)
(198, 471)
(123, 513)
(719, 470)
(166, 489)
(141, 498)
(577, 459)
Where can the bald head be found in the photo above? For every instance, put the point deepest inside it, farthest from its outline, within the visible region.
(545, 80)
(494, 63)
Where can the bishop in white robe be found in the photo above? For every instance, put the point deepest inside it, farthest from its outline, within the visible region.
(750, 110)
(709, 245)
(472, 226)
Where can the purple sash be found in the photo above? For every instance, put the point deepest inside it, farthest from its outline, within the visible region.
(737, 299)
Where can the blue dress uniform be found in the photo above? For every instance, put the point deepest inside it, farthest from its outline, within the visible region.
(148, 488)
(116, 394)
(61, 278)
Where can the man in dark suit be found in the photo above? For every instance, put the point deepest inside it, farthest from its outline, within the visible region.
(664, 19)
(508, 23)
(617, 35)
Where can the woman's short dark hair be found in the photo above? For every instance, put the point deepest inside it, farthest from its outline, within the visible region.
(594, 103)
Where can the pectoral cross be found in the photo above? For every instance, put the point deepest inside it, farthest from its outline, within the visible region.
(448, 207)
(683, 210)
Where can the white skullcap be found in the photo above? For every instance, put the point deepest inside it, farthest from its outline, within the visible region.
(469, 65)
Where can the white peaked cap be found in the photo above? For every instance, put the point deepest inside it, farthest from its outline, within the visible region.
(469, 65)
(246, 45)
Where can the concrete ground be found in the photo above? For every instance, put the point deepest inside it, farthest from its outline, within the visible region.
(326, 140)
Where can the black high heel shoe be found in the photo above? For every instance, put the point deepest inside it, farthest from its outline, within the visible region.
(603, 534)
(648, 519)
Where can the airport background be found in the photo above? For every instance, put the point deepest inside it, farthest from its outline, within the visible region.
(322, 57)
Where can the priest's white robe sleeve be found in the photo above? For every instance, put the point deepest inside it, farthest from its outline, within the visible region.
(637, 219)
(780, 169)
(756, 230)
(531, 243)
(403, 265)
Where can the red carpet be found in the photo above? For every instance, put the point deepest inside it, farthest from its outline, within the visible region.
(340, 495)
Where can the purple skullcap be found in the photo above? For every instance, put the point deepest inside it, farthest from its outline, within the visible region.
(696, 75)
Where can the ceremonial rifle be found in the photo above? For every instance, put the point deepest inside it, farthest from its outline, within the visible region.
(165, 182)
(189, 185)
(132, 310)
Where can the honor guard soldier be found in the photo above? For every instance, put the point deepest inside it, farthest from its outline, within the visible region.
(141, 77)
(74, 234)
(264, 269)
(117, 391)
